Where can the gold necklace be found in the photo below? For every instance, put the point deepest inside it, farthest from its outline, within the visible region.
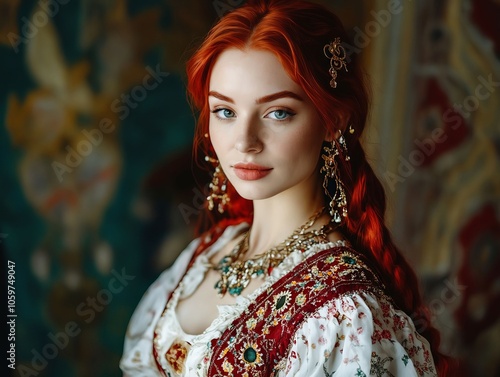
(236, 274)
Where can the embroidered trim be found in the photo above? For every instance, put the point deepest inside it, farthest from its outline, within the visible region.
(294, 259)
(264, 331)
(173, 296)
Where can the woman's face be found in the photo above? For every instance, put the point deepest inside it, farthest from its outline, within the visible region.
(266, 133)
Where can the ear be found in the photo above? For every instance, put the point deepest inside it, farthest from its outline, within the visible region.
(330, 136)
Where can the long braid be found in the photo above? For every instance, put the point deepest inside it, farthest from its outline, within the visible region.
(367, 230)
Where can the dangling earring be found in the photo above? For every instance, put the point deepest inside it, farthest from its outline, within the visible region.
(343, 143)
(218, 187)
(338, 202)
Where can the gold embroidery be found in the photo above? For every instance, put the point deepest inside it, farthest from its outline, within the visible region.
(176, 355)
(258, 342)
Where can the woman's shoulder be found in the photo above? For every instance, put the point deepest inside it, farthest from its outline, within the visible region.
(357, 327)
(166, 281)
(359, 332)
(341, 266)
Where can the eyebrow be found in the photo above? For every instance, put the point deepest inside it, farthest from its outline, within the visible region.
(265, 99)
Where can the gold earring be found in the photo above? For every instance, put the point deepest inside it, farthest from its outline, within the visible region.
(344, 147)
(343, 143)
(338, 202)
(218, 187)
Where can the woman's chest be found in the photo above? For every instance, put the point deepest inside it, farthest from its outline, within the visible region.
(198, 311)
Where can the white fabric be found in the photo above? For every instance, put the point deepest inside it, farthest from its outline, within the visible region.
(354, 335)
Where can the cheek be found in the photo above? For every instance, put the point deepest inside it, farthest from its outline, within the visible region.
(301, 150)
(217, 139)
(310, 136)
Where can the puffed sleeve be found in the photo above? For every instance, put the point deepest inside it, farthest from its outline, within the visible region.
(359, 335)
(137, 358)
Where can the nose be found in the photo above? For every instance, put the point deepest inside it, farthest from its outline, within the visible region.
(249, 138)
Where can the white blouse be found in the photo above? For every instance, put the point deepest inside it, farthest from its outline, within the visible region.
(354, 335)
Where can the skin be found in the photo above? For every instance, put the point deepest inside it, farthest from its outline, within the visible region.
(260, 115)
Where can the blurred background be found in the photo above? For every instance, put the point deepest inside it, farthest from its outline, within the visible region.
(98, 193)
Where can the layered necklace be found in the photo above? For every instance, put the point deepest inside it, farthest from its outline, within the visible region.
(236, 274)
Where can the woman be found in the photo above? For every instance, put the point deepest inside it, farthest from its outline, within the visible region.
(294, 272)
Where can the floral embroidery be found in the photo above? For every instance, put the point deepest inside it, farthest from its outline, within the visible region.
(300, 299)
(378, 336)
(329, 259)
(260, 313)
(263, 335)
(176, 356)
(377, 366)
(227, 367)
(360, 373)
(251, 323)
(325, 371)
(354, 339)
(405, 359)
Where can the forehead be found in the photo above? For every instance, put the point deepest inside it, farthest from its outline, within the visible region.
(250, 71)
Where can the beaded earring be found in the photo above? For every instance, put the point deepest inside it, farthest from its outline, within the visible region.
(218, 187)
(338, 201)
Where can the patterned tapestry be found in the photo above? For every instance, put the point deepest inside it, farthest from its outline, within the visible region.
(99, 194)
(435, 66)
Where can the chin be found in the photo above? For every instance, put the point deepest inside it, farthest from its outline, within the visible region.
(255, 193)
(252, 195)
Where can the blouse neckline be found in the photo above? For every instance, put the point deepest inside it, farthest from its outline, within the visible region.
(168, 323)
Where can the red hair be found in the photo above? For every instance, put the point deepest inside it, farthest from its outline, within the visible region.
(296, 32)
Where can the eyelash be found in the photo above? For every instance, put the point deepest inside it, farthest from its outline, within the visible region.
(289, 113)
(216, 111)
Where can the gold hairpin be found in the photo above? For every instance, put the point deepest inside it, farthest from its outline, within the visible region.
(337, 55)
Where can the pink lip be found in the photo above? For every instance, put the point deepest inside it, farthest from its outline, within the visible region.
(250, 172)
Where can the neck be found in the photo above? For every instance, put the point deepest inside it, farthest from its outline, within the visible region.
(278, 217)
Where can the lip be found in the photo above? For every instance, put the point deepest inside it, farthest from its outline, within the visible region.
(248, 171)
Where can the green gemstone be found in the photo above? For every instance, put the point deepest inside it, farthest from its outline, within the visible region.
(235, 291)
(349, 260)
(250, 355)
(281, 301)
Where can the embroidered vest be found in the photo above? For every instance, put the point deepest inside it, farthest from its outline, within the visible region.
(258, 342)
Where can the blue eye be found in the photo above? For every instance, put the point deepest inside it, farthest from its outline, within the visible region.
(224, 113)
(280, 114)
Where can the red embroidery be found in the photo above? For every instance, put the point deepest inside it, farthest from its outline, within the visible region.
(257, 343)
